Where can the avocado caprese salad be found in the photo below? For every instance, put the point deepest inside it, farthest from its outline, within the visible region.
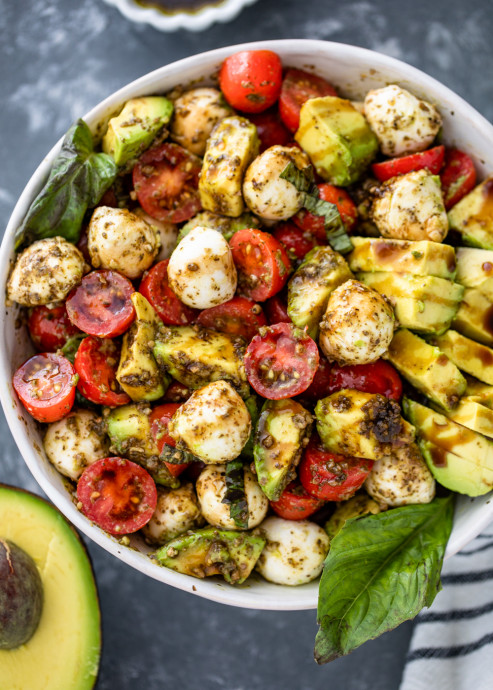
(262, 316)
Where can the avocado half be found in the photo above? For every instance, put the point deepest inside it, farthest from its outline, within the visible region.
(64, 651)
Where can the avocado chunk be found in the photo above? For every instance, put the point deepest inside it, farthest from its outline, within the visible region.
(132, 131)
(421, 258)
(475, 269)
(21, 596)
(426, 368)
(223, 224)
(448, 435)
(474, 415)
(211, 551)
(471, 357)
(337, 139)
(364, 425)
(321, 271)
(456, 473)
(129, 430)
(197, 356)
(231, 147)
(283, 431)
(65, 648)
(475, 316)
(421, 303)
(480, 392)
(138, 373)
(472, 216)
(355, 507)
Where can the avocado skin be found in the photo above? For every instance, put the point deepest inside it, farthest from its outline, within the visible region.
(210, 551)
(70, 617)
(21, 596)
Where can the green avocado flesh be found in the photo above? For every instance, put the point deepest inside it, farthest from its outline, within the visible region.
(64, 651)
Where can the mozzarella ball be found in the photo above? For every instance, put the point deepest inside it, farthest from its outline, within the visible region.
(358, 325)
(410, 207)
(211, 489)
(403, 123)
(75, 442)
(267, 194)
(45, 272)
(401, 479)
(214, 423)
(119, 240)
(294, 553)
(195, 115)
(177, 510)
(201, 270)
(168, 232)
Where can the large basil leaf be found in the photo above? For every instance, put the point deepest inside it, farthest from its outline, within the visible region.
(77, 181)
(380, 571)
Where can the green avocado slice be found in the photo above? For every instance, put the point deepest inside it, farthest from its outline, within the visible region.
(64, 651)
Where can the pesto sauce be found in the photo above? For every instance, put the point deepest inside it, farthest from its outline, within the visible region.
(175, 6)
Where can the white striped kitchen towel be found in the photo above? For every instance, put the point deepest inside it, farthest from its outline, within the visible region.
(452, 644)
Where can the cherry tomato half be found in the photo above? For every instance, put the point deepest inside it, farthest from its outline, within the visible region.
(45, 384)
(261, 261)
(156, 290)
(297, 88)
(101, 304)
(295, 503)
(276, 310)
(118, 495)
(377, 377)
(251, 80)
(239, 316)
(270, 129)
(96, 362)
(165, 180)
(431, 159)
(458, 176)
(177, 392)
(314, 225)
(159, 420)
(281, 361)
(297, 241)
(50, 328)
(329, 476)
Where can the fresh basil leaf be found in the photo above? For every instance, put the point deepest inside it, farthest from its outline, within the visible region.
(380, 571)
(77, 181)
(235, 493)
(303, 180)
(69, 350)
(176, 456)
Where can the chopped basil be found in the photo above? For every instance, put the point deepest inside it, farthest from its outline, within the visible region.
(235, 493)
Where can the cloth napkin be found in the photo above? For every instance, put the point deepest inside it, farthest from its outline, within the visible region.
(452, 644)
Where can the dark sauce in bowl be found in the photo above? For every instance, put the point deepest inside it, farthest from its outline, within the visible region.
(175, 6)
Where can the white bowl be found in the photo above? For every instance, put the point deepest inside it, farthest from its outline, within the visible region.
(353, 71)
(198, 20)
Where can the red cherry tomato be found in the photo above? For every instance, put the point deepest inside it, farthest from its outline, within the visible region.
(159, 420)
(177, 392)
(262, 263)
(251, 80)
(82, 246)
(432, 160)
(50, 328)
(45, 384)
(276, 310)
(239, 316)
(329, 476)
(458, 176)
(96, 362)
(155, 288)
(270, 129)
(281, 361)
(297, 241)
(320, 387)
(297, 88)
(295, 503)
(118, 495)
(101, 304)
(314, 225)
(378, 377)
(165, 180)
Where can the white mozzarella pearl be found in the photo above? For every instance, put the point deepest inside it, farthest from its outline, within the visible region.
(195, 115)
(168, 232)
(177, 510)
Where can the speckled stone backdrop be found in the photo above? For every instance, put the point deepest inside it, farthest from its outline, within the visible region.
(58, 58)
